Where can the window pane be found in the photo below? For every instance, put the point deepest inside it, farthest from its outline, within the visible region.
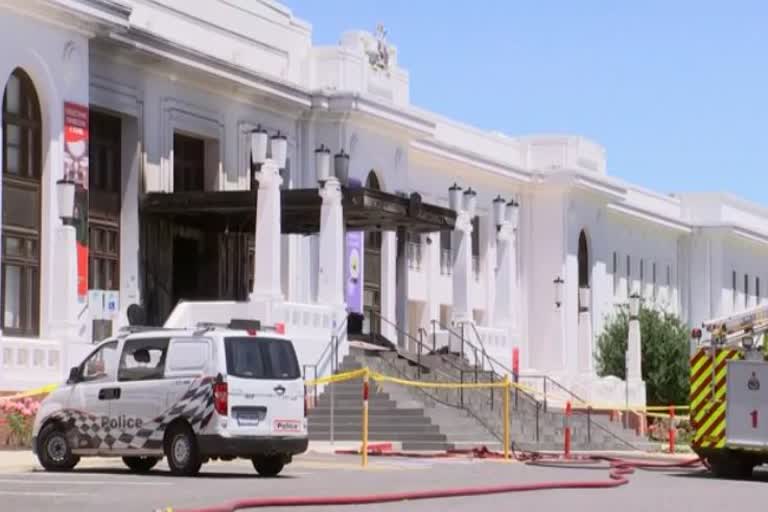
(102, 365)
(13, 95)
(91, 273)
(12, 135)
(29, 295)
(20, 206)
(12, 296)
(143, 359)
(13, 246)
(97, 281)
(30, 167)
(12, 160)
(111, 246)
(108, 275)
(30, 248)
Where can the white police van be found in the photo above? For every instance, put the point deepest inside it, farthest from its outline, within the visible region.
(191, 395)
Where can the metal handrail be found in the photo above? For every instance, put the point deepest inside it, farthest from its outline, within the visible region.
(492, 372)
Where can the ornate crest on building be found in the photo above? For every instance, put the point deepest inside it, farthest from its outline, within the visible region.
(378, 55)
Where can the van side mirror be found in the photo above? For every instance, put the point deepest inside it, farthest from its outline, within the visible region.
(74, 375)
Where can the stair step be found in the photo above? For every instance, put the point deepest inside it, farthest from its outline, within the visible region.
(390, 421)
(392, 429)
(372, 412)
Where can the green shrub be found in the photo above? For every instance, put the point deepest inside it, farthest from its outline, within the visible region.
(665, 353)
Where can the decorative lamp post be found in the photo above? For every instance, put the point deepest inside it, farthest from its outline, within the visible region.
(279, 149)
(513, 212)
(583, 299)
(65, 191)
(558, 282)
(341, 166)
(634, 307)
(470, 201)
(454, 197)
(259, 140)
(323, 163)
(499, 205)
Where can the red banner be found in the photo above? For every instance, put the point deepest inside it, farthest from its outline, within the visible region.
(76, 136)
(516, 362)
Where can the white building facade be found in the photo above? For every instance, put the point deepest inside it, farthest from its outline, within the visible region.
(171, 91)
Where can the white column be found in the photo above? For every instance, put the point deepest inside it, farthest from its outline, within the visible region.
(331, 269)
(585, 332)
(389, 284)
(64, 315)
(462, 267)
(505, 277)
(268, 263)
(634, 351)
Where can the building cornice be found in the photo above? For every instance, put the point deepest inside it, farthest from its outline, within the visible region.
(646, 216)
(568, 178)
(110, 11)
(462, 156)
(153, 44)
(346, 104)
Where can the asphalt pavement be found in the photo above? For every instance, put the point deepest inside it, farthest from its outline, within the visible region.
(104, 484)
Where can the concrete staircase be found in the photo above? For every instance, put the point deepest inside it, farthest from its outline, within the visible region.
(436, 419)
(389, 419)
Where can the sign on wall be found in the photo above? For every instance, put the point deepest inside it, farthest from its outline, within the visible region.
(353, 278)
(76, 169)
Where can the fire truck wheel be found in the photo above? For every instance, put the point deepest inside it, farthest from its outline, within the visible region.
(734, 467)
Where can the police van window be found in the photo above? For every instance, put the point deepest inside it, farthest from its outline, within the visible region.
(102, 364)
(261, 358)
(143, 359)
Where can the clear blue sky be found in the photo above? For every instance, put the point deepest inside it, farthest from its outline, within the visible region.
(676, 91)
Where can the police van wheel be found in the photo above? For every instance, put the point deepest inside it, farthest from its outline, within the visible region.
(268, 466)
(53, 450)
(182, 452)
(141, 464)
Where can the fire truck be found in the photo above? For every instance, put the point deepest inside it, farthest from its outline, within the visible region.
(729, 392)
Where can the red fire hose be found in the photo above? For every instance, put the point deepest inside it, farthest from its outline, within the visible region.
(619, 469)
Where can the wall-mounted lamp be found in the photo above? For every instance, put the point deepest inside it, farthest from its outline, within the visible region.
(323, 163)
(454, 197)
(634, 306)
(259, 140)
(558, 282)
(499, 204)
(341, 166)
(470, 200)
(65, 192)
(279, 149)
(513, 212)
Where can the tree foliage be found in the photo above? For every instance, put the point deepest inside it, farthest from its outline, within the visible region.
(665, 353)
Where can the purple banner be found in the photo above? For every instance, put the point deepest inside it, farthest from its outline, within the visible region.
(353, 271)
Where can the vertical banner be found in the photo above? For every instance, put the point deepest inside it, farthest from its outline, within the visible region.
(76, 169)
(353, 278)
(515, 364)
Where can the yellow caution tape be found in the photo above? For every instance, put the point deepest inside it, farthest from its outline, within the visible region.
(443, 385)
(339, 377)
(44, 390)
(550, 397)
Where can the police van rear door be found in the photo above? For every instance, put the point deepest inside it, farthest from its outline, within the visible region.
(265, 389)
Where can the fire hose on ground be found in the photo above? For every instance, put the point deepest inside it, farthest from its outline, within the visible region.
(619, 470)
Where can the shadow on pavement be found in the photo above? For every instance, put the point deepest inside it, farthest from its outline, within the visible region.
(166, 474)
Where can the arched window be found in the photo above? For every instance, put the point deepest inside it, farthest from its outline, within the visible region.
(22, 168)
(583, 261)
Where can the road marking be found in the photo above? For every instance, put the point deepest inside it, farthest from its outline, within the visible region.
(42, 494)
(79, 482)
